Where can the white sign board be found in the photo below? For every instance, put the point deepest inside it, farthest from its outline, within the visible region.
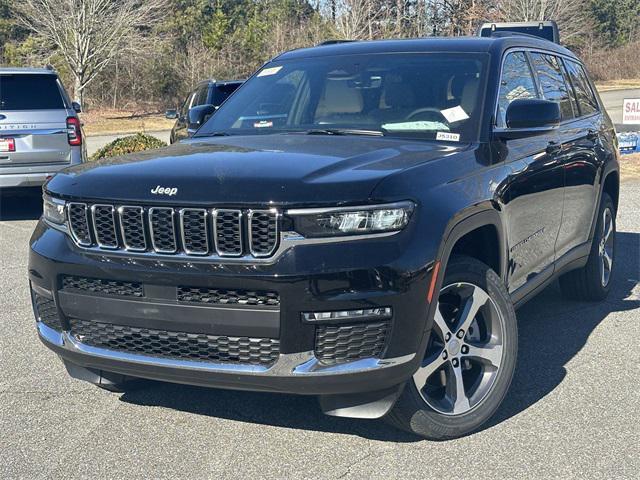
(631, 111)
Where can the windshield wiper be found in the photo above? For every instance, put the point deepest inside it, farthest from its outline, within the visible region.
(214, 134)
(343, 131)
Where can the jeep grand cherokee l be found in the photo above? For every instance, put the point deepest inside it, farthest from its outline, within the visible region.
(40, 132)
(357, 222)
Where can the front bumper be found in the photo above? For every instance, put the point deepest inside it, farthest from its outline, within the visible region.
(307, 278)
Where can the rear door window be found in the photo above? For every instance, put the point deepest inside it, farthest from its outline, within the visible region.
(552, 84)
(30, 92)
(586, 99)
(516, 82)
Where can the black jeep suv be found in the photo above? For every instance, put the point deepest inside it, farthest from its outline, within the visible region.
(358, 222)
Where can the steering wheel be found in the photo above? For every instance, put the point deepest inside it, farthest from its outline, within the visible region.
(432, 112)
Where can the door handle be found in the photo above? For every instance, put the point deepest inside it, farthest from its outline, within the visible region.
(553, 148)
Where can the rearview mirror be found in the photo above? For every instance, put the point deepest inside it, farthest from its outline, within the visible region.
(76, 107)
(527, 117)
(171, 114)
(198, 116)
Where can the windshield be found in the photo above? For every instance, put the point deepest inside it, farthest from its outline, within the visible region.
(427, 96)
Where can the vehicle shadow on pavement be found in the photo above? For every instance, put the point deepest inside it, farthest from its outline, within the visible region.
(552, 331)
(23, 204)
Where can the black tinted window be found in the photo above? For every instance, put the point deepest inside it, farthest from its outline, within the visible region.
(223, 91)
(201, 96)
(30, 92)
(586, 99)
(552, 83)
(516, 82)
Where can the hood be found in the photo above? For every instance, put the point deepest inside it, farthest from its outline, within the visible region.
(249, 170)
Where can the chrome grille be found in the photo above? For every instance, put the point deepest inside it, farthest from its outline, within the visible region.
(227, 232)
(167, 230)
(263, 232)
(163, 229)
(193, 227)
(132, 228)
(79, 223)
(104, 226)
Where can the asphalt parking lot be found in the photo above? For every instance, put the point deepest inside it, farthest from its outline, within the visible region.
(573, 410)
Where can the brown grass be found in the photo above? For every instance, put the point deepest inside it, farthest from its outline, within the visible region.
(105, 122)
(630, 166)
(618, 84)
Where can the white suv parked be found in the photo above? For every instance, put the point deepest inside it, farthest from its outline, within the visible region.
(40, 132)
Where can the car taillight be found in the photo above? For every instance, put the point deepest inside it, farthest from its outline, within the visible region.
(74, 134)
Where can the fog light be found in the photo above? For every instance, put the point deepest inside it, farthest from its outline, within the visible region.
(376, 313)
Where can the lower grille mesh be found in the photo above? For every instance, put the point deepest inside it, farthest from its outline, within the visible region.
(227, 297)
(47, 312)
(103, 287)
(178, 345)
(343, 343)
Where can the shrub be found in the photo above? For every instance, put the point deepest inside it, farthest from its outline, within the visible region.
(130, 144)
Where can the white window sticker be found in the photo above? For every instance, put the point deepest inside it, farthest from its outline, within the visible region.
(263, 124)
(448, 136)
(269, 71)
(454, 114)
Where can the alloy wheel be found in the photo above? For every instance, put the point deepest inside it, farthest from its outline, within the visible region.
(465, 350)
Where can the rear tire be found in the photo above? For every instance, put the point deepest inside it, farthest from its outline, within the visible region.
(593, 281)
(469, 360)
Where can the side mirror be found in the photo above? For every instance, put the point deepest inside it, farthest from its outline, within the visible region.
(171, 114)
(527, 117)
(197, 116)
(76, 107)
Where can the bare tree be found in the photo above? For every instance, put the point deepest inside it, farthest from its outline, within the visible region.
(572, 15)
(89, 34)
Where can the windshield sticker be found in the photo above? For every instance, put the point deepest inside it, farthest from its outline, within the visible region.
(263, 124)
(269, 71)
(448, 136)
(454, 114)
(417, 126)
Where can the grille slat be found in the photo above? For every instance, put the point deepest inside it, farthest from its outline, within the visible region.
(132, 228)
(167, 230)
(193, 228)
(162, 229)
(179, 345)
(227, 232)
(104, 226)
(343, 343)
(79, 223)
(227, 297)
(263, 232)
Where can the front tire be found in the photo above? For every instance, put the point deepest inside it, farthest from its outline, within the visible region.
(469, 360)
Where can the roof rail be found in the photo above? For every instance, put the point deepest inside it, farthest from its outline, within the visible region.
(334, 42)
(546, 30)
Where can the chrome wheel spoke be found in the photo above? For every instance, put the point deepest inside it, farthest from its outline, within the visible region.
(471, 307)
(457, 393)
(440, 323)
(491, 354)
(427, 369)
(607, 226)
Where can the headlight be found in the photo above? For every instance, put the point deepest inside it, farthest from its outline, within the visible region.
(351, 220)
(53, 210)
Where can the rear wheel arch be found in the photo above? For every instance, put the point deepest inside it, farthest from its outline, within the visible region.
(611, 186)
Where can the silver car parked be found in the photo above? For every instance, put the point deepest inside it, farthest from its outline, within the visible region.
(40, 132)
